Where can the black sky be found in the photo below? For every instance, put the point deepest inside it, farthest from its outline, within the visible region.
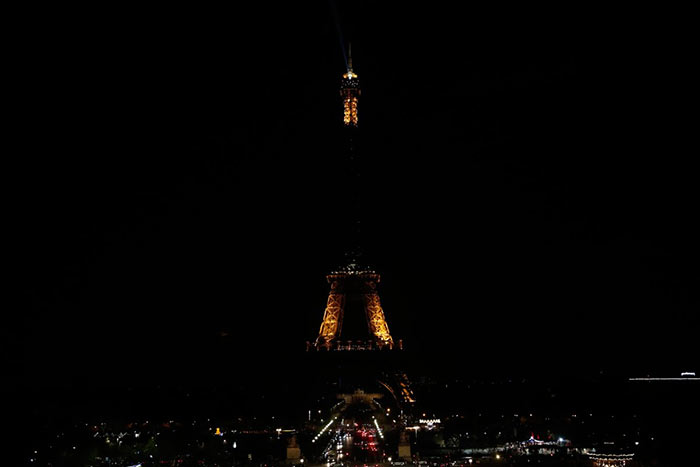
(532, 178)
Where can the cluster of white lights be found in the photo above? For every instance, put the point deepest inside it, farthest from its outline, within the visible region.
(610, 460)
(324, 429)
(429, 421)
(379, 430)
(683, 378)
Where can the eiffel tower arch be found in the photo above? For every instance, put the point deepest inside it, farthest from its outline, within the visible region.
(352, 282)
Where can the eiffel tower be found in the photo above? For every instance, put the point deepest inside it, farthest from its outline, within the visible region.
(353, 283)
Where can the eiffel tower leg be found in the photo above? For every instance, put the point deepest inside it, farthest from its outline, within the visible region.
(332, 318)
(375, 316)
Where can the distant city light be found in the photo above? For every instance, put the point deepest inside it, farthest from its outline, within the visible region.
(680, 378)
(379, 430)
(324, 429)
(430, 421)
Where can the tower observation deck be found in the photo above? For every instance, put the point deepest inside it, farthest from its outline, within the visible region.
(353, 283)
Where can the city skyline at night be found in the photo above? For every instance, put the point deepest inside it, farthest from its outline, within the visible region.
(195, 199)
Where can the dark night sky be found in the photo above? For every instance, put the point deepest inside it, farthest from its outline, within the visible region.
(533, 187)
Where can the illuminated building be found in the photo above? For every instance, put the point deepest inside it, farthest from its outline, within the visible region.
(685, 376)
(610, 460)
(359, 397)
(350, 92)
(353, 283)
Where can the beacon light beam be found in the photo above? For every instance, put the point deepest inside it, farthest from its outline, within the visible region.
(336, 21)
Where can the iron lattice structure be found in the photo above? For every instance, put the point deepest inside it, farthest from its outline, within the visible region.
(362, 283)
(350, 92)
(354, 282)
(399, 387)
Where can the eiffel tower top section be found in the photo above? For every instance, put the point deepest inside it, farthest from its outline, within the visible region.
(350, 92)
